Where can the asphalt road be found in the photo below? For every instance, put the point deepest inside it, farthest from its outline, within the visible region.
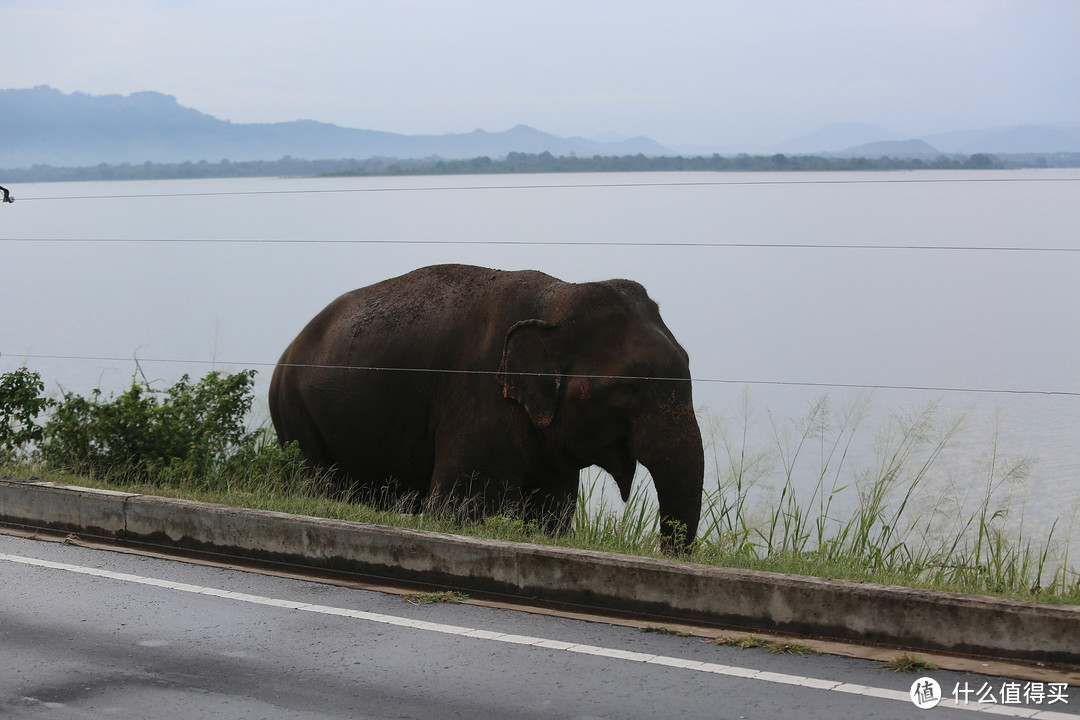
(89, 633)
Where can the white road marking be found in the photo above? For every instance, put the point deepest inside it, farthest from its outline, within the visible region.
(557, 645)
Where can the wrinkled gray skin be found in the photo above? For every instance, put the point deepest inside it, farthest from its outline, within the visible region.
(535, 379)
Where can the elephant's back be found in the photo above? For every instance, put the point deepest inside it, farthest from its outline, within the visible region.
(428, 310)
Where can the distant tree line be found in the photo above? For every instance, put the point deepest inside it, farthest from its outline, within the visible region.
(545, 162)
(285, 167)
(517, 162)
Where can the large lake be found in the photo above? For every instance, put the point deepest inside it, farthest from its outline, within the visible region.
(783, 287)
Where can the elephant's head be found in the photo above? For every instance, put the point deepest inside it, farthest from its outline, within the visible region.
(605, 381)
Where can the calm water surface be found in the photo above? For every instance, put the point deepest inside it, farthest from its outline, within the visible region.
(224, 273)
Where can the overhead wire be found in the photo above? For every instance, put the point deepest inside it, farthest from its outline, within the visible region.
(562, 243)
(535, 186)
(556, 186)
(553, 243)
(704, 380)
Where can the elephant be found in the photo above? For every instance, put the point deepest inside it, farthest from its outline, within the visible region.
(456, 381)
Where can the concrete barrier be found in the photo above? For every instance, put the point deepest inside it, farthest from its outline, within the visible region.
(665, 589)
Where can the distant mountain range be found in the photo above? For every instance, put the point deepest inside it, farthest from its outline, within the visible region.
(43, 126)
(863, 140)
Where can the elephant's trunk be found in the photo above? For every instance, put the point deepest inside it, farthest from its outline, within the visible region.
(669, 445)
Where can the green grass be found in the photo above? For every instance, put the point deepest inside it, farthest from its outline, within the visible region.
(742, 641)
(431, 598)
(789, 648)
(909, 664)
(774, 647)
(665, 631)
(809, 499)
(914, 512)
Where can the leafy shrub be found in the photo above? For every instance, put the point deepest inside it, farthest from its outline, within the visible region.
(193, 428)
(264, 464)
(21, 403)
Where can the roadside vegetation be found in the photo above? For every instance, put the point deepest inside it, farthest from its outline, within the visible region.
(907, 663)
(432, 598)
(773, 647)
(806, 502)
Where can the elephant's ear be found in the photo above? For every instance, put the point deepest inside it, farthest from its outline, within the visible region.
(529, 372)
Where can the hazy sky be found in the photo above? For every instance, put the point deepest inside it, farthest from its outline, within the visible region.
(723, 72)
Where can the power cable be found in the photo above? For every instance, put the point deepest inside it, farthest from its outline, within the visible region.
(718, 381)
(765, 182)
(561, 186)
(558, 243)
